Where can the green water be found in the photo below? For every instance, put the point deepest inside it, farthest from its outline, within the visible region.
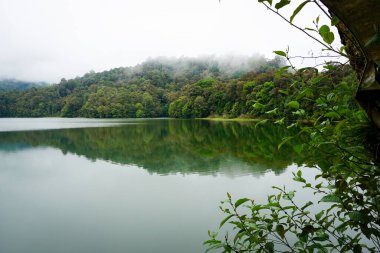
(77, 185)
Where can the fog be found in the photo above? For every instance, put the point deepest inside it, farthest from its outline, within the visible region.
(46, 40)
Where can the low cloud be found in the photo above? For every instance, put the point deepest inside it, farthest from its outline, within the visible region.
(46, 40)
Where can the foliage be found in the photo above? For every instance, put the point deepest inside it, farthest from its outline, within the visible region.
(12, 84)
(346, 217)
(314, 105)
(156, 88)
(348, 183)
(346, 221)
(273, 226)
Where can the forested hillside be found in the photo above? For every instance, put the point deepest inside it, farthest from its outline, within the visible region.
(13, 84)
(188, 88)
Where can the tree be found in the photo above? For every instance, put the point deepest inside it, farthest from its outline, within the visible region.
(200, 107)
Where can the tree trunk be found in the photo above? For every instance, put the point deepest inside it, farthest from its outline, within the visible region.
(359, 32)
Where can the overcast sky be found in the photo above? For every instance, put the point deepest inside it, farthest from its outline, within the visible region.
(46, 40)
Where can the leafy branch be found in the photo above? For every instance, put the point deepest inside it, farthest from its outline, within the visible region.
(326, 34)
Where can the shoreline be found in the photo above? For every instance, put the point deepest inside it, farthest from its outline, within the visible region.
(232, 119)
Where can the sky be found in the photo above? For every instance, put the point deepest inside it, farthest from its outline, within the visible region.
(46, 40)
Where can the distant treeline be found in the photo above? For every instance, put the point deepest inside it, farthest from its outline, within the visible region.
(186, 88)
(13, 84)
(173, 146)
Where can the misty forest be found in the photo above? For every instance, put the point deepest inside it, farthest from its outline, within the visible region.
(188, 88)
(139, 158)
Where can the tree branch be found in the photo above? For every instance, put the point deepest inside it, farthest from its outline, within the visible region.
(330, 48)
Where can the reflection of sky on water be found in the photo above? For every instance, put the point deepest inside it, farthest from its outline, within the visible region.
(66, 203)
(148, 186)
(30, 124)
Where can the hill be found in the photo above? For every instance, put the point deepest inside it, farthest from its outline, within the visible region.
(185, 88)
(13, 84)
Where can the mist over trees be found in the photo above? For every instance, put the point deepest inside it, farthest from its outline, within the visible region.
(172, 87)
(144, 90)
(13, 84)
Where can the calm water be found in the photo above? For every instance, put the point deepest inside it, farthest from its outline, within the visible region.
(79, 185)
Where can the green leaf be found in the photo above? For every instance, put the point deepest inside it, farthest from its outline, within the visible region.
(321, 236)
(326, 34)
(299, 179)
(329, 38)
(285, 92)
(308, 229)
(269, 246)
(289, 195)
(280, 231)
(274, 111)
(303, 236)
(332, 115)
(298, 9)
(306, 92)
(358, 217)
(240, 201)
(334, 20)
(330, 96)
(282, 70)
(280, 53)
(294, 105)
(258, 105)
(342, 227)
(280, 121)
(281, 4)
(331, 198)
(257, 207)
(225, 220)
(298, 148)
(319, 215)
(285, 140)
(299, 112)
(261, 122)
(292, 125)
(306, 205)
(215, 246)
(329, 67)
(310, 29)
(308, 69)
(323, 30)
(269, 1)
(357, 248)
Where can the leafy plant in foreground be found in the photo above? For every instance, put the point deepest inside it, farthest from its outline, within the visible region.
(282, 225)
(346, 217)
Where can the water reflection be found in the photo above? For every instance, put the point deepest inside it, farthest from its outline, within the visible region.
(58, 203)
(54, 199)
(29, 124)
(173, 146)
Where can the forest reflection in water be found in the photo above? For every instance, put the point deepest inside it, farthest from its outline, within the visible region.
(100, 188)
(173, 146)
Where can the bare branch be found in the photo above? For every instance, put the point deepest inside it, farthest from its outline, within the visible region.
(322, 9)
(315, 57)
(330, 48)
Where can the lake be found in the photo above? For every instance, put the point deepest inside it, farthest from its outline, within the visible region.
(86, 185)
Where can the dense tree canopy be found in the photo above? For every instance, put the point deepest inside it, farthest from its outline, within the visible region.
(185, 88)
(12, 84)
